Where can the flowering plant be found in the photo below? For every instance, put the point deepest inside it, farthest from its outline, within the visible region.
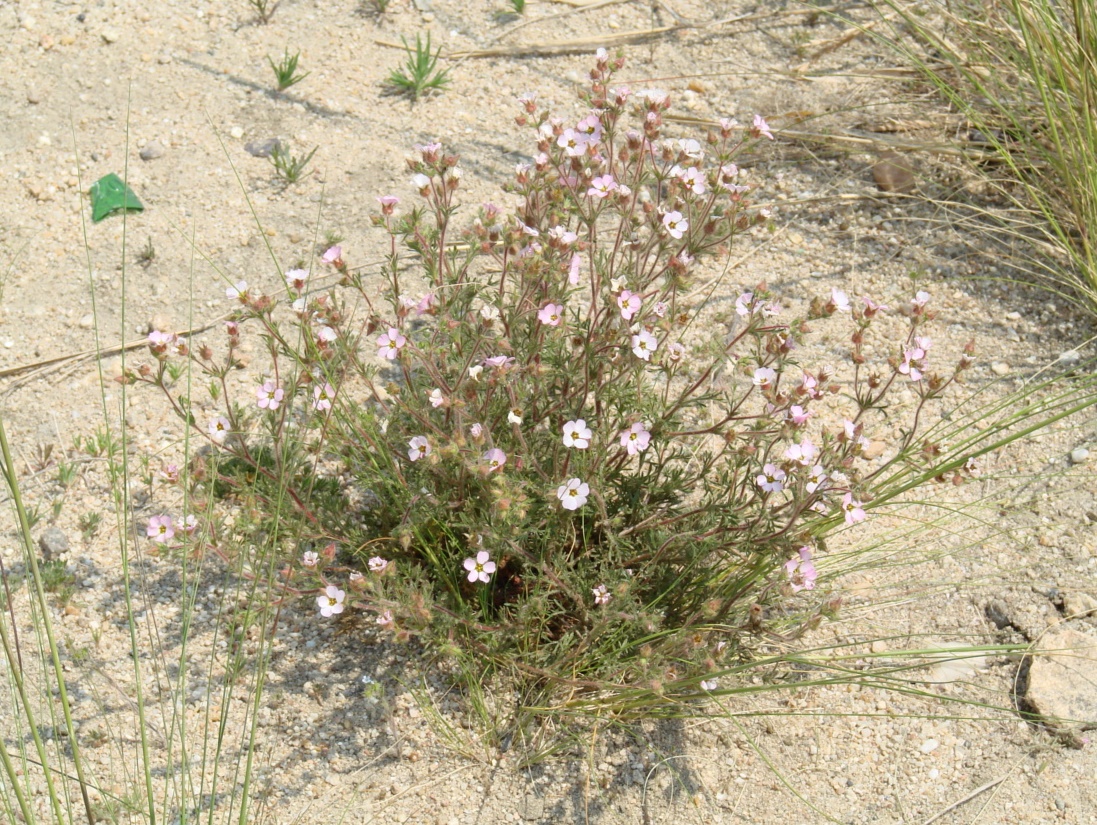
(547, 460)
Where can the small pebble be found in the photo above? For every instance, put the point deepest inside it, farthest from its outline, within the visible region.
(1070, 357)
(1000, 368)
(1079, 455)
(929, 746)
(153, 149)
(236, 132)
(87, 321)
(53, 543)
(109, 35)
(34, 96)
(262, 148)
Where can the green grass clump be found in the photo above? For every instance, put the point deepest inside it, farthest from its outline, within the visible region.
(1024, 75)
(285, 70)
(420, 74)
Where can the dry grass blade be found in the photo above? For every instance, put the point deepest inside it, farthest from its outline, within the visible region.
(574, 45)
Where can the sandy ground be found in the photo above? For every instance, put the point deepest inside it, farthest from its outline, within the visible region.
(191, 83)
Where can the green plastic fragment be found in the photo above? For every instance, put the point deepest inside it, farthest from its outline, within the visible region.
(110, 195)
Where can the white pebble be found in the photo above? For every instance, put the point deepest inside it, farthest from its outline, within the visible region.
(1070, 357)
(1000, 368)
(929, 746)
(236, 132)
(1079, 455)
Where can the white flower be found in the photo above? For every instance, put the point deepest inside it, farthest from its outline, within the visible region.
(219, 429)
(420, 182)
(436, 399)
(418, 448)
(764, 377)
(840, 300)
(573, 494)
(237, 290)
(676, 225)
(709, 685)
(577, 434)
(310, 558)
(515, 416)
(644, 344)
(489, 312)
(331, 602)
(474, 372)
(601, 595)
(480, 568)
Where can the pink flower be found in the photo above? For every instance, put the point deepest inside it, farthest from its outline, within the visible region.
(660, 309)
(920, 300)
(219, 429)
(636, 438)
(601, 595)
(801, 572)
(310, 558)
(764, 377)
(772, 479)
(692, 178)
(798, 415)
(572, 143)
(573, 269)
(297, 279)
(426, 304)
(480, 568)
(377, 565)
(269, 396)
(816, 478)
(643, 345)
(476, 430)
(418, 447)
(839, 301)
(170, 473)
(573, 494)
(562, 236)
(326, 335)
(550, 314)
(331, 602)
(676, 351)
(333, 255)
(322, 397)
(577, 434)
(494, 458)
(629, 304)
(809, 386)
(238, 290)
(190, 524)
(160, 529)
(385, 620)
(675, 224)
(388, 203)
(871, 307)
(498, 361)
(802, 453)
(601, 187)
(436, 398)
(744, 304)
(589, 129)
(389, 344)
(854, 510)
(761, 127)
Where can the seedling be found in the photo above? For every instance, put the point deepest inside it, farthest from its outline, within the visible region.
(287, 166)
(264, 9)
(375, 8)
(420, 73)
(285, 71)
(89, 524)
(147, 255)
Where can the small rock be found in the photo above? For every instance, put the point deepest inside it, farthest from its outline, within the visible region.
(879, 646)
(296, 237)
(236, 132)
(1079, 455)
(998, 613)
(1070, 358)
(34, 96)
(153, 149)
(1062, 679)
(893, 173)
(87, 321)
(929, 746)
(109, 35)
(68, 39)
(262, 148)
(1078, 604)
(46, 42)
(532, 807)
(53, 543)
(160, 322)
(1000, 368)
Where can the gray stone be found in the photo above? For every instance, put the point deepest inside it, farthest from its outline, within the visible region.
(262, 148)
(153, 149)
(53, 543)
(1062, 680)
(1070, 358)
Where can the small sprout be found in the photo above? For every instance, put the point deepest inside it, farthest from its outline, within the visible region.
(264, 9)
(285, 72)
(147, 255)
(288, 167)
(375, 8)
(419, 74)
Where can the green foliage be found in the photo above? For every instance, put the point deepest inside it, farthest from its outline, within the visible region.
(375, 8)
(285, 71)
(288, 167)
(419, 75)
